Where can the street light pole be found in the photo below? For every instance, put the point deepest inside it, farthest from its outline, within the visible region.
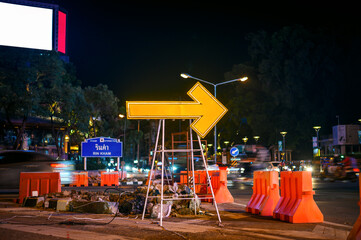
(245, 139)
(125, 124)
(284, 144)
(256, 138)
(186, 75)
(317, 129)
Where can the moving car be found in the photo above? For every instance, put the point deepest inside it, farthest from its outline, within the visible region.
(13, 162)
(273, 166)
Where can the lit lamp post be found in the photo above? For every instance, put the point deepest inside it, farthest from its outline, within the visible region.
(121, 116)
(66, 143)
(284, 143)
(317, 129)
(245, 139)
(256, 138)
(186, 75)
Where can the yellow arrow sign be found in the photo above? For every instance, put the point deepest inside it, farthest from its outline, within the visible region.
(205, 109)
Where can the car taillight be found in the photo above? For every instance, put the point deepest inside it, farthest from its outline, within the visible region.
(356, 170)
(58, 165)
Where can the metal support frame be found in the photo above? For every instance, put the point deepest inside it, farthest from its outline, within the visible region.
(162, 151)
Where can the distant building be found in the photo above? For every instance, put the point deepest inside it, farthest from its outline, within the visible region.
(345, 139)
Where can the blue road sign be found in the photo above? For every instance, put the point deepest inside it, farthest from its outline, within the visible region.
(234, 151)
(101, 147)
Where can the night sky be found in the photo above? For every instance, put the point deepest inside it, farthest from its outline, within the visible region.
(139, 48)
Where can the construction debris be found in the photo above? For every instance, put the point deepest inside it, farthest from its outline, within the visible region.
(127, 203)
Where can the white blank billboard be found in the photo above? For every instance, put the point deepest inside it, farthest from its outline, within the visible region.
(25, 26)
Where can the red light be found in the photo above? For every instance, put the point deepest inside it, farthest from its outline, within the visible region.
(356, 170)
(57, 165)
(61, 32)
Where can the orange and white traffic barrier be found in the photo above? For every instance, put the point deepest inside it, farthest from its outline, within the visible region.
(80, 179)
(222, 194)
(265, 193)
(39, 183)
(297, 205)
(355, 232)
(109, 179)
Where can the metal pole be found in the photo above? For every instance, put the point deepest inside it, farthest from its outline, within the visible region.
(162, 179)
(284, 149)
(125, 126)
(118, 162)
(209, 179)
(192, 159)
(85, 163)
(215, 131)
(151, 169)
(138, 144)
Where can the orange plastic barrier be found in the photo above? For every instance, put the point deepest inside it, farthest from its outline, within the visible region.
(300, 207)
(80, 179)
(41, 182)
(265, 193)
(201, 182)
(355, 232)
(109, 179)
(280, 208)
(222, 194)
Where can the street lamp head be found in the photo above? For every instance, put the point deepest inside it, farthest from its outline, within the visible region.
(317, 128)
(283, 133)
(121, 115)
(243, 79)
(185, 75)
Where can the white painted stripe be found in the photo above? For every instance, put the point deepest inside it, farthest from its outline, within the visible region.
(337, 224)
(240, 204)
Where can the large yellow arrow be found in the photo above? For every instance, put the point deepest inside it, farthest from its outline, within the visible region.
(205, 109)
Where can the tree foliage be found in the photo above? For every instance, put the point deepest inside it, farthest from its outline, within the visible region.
(294, 79)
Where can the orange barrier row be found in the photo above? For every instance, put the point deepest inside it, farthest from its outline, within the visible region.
(296, 204)
(80, 179)
(109, 179)
(42, 183)
(355, 232)
(265, 193)
(218, 181)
